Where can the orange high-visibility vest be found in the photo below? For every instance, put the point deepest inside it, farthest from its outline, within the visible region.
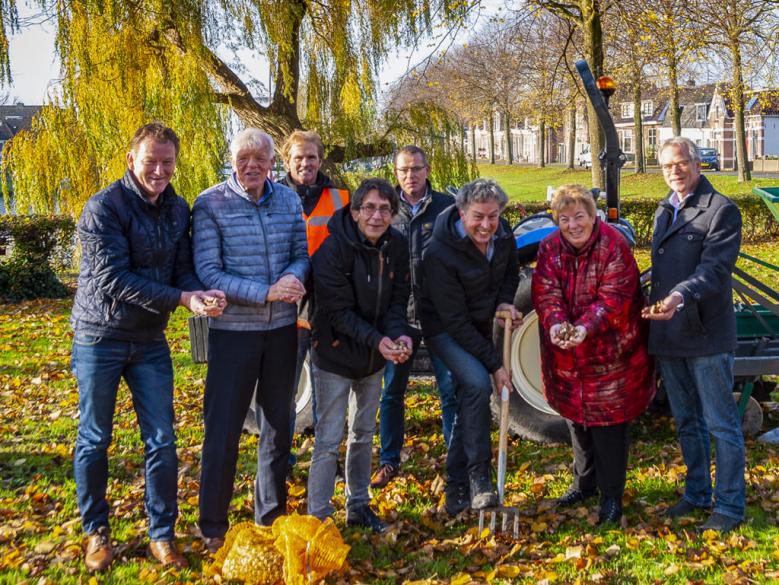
(330, 201)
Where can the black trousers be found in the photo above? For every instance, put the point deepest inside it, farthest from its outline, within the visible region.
(600, 458)
(237, 362)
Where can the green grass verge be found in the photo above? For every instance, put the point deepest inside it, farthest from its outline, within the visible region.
(41, 540)
(529, 183)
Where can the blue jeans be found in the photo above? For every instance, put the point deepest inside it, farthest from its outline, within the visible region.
(469, 447)
(700, 392)
(98, 364)
(392, 411)
(338, 394)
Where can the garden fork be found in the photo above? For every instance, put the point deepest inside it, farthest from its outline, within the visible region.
(509, 515)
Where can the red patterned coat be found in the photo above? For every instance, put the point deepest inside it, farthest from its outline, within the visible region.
(609, 378)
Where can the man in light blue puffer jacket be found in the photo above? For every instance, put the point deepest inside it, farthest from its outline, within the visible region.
(249, 236)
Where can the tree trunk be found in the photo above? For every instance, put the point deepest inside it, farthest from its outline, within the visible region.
(571, 137)
(491, 124)
(638, 123)
(593, 46)
(737, 101)
(473, 141)
(509, 144)
(676, 111)
(542, 144)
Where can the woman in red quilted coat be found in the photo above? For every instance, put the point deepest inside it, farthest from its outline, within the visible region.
(596, 370)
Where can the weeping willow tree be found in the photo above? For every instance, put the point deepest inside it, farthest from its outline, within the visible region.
(438, 132)
(125, 62)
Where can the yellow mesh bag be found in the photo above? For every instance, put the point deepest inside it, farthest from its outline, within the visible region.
(312, 549)
(249, 555)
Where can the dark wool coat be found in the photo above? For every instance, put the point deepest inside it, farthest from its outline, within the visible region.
(695, 256)
(419, 232)
(609, 378)
(360, 296)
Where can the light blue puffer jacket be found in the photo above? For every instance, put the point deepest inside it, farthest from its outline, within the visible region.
(242, 248)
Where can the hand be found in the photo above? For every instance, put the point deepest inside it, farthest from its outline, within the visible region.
(516, 316)
(390, 351)
(501, 378)
(579, 335)
(406, 346)
(287, 289)
(200, 303)
(663, 310)
(215, 301)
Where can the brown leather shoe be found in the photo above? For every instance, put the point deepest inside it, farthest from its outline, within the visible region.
(214, 543)
(167, 554)
(99, 554)
(384, 475)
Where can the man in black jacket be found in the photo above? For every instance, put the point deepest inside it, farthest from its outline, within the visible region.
(419, 208)
(697, 234)
(361, 292)
(470, 273)
(136, 268)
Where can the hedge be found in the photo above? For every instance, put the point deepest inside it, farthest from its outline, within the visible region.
(38, 245)
(41, 245)
(758, 222)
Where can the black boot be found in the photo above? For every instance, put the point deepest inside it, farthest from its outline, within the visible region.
(482, 492)
(610, 511)
(458, 498)
(574, 496)
(364, 517)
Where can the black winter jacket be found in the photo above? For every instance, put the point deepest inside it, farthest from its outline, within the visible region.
(695, 256)
(462, 288)
(360, 296)
(136, 260)
(419, 232)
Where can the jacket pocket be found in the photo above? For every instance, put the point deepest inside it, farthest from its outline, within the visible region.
(86, 340)
(692, 236)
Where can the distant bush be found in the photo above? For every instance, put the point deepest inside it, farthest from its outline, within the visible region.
(758, 222)
(37, 244)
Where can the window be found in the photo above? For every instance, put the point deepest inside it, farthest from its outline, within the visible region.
(626, 109)
(701, 112)
(651, 137)
(647, 108)
(626, 140)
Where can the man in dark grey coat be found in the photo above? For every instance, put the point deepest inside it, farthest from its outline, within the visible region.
(697, 234)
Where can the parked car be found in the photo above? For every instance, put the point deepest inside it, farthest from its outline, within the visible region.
(709, 159)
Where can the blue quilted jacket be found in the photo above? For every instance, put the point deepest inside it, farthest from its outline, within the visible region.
(242, 248)
(135, 262)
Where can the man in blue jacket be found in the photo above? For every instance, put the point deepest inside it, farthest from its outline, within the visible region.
(136, 268)
(249, 239)
(419, 208)
(697, 234)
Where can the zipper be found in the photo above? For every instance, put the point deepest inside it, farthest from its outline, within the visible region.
(378, 299)
(267, 259)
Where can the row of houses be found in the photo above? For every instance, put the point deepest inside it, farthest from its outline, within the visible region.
(706, 118)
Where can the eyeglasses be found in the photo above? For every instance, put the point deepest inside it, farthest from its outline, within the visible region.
(368, 210)
(682, 164)
(410, 170)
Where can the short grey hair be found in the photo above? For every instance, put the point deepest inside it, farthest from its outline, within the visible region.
(253, 138)
(480, 191)
(682, 142)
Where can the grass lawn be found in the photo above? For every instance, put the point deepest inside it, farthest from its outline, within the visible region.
(528, 183)
(41, 540)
